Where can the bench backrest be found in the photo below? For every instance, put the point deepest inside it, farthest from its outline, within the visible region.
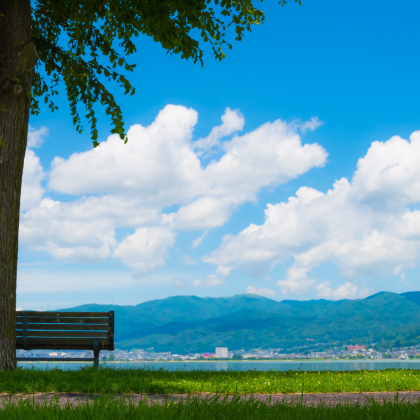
(64, 330)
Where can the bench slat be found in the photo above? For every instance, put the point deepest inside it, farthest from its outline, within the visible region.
(54, 359)
(64, 327)
(66, 314)
(43, 319)
(63, 347)
(93, 335)
(57, 342)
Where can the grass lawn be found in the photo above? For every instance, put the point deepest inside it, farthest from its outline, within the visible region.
(160, 381)
(194, 409)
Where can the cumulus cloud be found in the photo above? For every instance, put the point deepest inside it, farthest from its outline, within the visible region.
(232, 120)
(216, 279)
(389, 175)
(345, 291)
(83, 230)
(46, 228)
(210, 281)
(262, 292)
(36, 137)
(32, 177)
(296, 280)
(156, 185)
(130, 186)
(196, 242)
(310, 125)
(159, 166)
(33, 172)
(365, 226)
(223, 271)
(145, 250)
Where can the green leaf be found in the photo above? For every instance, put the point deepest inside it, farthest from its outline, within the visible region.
(95, 144)
(2, 143)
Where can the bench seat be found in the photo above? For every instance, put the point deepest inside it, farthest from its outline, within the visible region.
(65, 331)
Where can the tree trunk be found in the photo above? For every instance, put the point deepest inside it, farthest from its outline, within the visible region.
(17, 59)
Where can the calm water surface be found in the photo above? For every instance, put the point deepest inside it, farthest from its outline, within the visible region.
(251, 365)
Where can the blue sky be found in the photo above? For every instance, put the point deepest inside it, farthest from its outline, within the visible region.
(304, 97)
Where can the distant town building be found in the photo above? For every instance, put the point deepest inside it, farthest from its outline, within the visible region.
(356, 347)
(221, 352)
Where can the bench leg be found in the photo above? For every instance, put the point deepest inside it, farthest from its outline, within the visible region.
(95, 354)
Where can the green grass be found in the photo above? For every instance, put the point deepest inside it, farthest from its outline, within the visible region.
(213, 408)
(161, 381)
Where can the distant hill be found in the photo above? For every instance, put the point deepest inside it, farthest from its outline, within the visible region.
(178, 309)
(413, 296)
(183, 324)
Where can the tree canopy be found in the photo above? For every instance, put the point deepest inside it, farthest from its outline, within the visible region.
(98, 28)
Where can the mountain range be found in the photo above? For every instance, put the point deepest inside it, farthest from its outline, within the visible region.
(183, 324)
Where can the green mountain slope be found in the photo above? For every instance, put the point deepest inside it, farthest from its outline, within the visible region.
(155, 313)
(412, 296)
(183, 324)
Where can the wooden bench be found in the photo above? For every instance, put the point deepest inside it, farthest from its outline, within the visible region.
(64, 331)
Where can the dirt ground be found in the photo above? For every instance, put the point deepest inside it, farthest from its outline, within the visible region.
(308, 399)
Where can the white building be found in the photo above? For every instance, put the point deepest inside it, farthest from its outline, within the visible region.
(221, 352)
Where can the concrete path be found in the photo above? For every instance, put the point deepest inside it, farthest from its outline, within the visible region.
(308, 399)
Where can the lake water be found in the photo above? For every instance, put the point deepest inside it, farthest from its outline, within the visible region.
(251, 365)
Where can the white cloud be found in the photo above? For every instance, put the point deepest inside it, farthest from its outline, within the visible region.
(345, 291)
(296, 281)
(270, 155)
(365, 226)
(36, 137)
(146, 249)
(369, 226)
(263, 292)
(216, 279)
(389, 175)
(130, 186)
(311, 125)
(210, 281)
(82, 230)
(204, 213)
(232, 120)
(223, 271)
(157, 165)
(33, 174)
(160, 168)
(46, 228)
(196, 242)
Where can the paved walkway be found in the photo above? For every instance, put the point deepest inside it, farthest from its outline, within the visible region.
(308, 399)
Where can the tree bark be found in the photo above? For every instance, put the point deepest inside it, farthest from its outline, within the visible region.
(17, 60)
